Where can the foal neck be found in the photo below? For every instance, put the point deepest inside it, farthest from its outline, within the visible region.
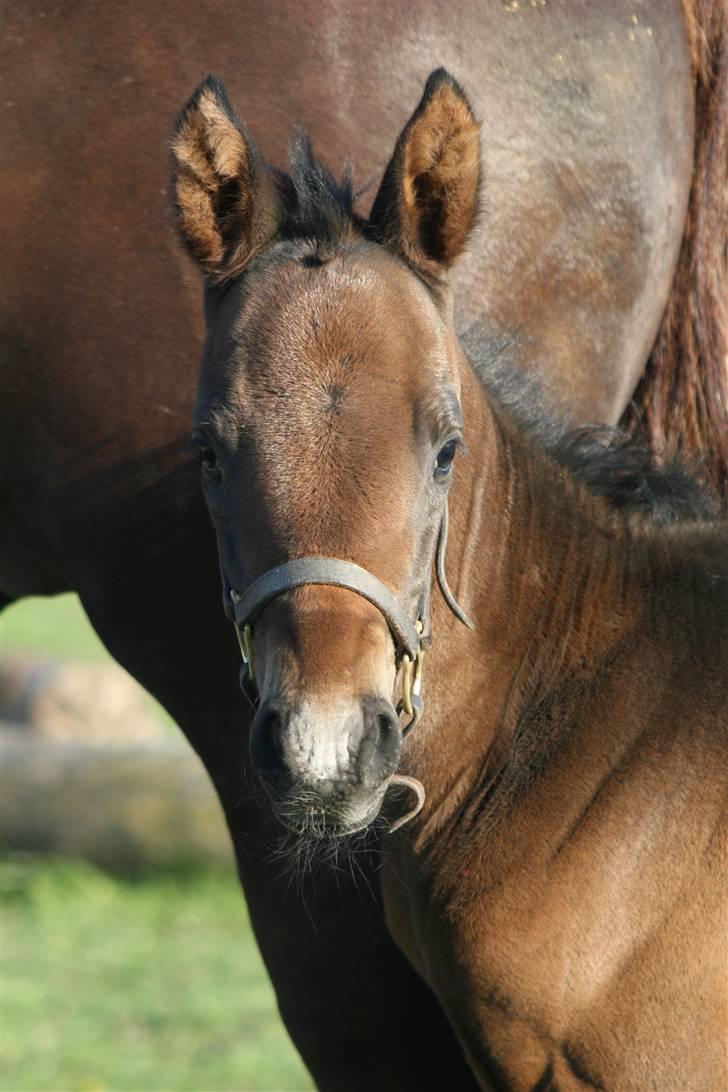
(545, 569)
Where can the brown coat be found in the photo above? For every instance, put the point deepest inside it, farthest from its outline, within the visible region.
(559, 888)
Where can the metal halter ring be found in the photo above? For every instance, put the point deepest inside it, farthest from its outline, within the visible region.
(412, 671)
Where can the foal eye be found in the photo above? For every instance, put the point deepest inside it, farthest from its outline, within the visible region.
(208, 459)
(445, 456)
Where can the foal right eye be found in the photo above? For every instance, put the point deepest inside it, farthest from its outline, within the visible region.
(208, 459)
(445, 457)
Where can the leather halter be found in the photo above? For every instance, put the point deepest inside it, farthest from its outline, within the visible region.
(411, 638)
(337, 574)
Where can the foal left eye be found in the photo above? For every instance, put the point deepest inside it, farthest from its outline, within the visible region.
(445, 456)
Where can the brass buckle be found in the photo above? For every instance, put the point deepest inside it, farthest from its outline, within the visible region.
(412, 671)
(245, 641)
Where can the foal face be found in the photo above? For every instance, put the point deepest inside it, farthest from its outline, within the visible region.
(328, 418)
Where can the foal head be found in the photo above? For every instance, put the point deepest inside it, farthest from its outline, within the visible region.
(328, 419)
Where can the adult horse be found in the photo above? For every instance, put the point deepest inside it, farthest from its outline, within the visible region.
(591, 165)
(561, 888)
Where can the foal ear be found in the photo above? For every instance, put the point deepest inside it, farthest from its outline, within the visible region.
(428, 201)
(225, 196)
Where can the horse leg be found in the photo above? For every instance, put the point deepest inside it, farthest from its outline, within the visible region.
(358, 1014)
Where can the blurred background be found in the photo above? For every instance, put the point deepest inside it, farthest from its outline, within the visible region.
(127, 959)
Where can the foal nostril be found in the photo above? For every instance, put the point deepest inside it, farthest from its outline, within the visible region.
(381, 741)
(266, 746)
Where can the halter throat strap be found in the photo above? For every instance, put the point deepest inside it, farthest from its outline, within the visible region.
(334, 573)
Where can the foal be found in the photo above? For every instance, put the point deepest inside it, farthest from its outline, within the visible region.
(559, 886)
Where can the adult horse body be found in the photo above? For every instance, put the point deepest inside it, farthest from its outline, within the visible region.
(100, 324)
(560, 888)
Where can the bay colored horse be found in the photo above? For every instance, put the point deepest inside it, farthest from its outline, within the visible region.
(604, 126)
(560, 884)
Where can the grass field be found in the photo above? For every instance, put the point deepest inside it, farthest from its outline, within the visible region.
(55, 627)
(134, 985)
(147, 984)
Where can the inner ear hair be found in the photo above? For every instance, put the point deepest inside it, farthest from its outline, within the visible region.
(225, 199)
(428, 202)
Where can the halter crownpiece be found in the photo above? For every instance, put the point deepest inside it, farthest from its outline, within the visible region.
(411, 638)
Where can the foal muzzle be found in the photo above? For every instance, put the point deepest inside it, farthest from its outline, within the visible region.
(411, 637)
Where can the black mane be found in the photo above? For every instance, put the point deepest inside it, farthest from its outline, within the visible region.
(316, 205)
(611, 463)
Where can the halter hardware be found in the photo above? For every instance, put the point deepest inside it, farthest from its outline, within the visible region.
(412, 672)
(244, 635)
(411, 640)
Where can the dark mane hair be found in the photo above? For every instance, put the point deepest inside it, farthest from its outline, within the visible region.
(316, 206)
(611, 463)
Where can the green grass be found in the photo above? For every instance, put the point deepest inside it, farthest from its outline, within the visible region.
(134, 986)
(146, 985)
(57, 627)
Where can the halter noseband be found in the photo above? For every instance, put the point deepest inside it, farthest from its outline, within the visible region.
(411, 638)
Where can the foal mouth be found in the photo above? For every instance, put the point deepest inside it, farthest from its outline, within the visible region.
(311, 819)
(318, 823)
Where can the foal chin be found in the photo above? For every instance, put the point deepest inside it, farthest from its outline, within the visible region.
(326, 739)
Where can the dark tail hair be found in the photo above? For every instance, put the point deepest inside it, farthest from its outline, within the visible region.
(682, 400)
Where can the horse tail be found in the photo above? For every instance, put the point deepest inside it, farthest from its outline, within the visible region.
(682, 400)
